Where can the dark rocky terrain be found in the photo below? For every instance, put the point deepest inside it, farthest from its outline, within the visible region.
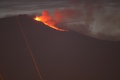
(59, 55)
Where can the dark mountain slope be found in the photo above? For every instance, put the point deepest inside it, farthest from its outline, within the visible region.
(59, 55)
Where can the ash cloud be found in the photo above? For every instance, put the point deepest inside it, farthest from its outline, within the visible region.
(98, 20)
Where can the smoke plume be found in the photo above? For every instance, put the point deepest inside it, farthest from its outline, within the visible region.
(98, 20)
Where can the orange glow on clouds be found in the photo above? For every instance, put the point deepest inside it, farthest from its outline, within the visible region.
(47, 20)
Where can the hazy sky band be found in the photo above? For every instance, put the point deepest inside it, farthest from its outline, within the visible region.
(8, 7)
(21, 7)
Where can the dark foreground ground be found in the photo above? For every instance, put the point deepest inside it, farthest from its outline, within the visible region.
(59, 55)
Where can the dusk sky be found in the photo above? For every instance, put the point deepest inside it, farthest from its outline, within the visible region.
(14, 7)
(59, 55)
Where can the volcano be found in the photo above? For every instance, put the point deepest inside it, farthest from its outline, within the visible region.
(59, 55)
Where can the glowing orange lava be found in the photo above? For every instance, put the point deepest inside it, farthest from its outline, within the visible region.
(47, 20)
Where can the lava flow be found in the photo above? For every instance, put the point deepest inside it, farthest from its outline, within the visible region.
(48, 20)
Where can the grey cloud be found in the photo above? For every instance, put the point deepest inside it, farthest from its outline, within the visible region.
(28, 7)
